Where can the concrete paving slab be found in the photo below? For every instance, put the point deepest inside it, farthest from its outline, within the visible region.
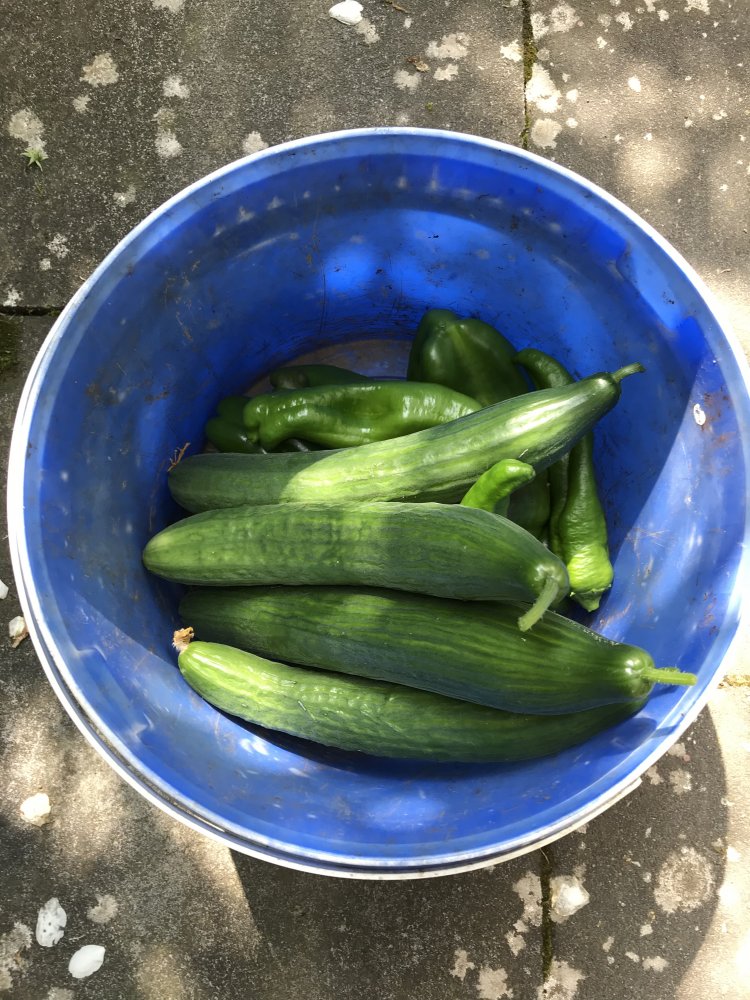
(665, 900)
(651, 100)
(148, 97)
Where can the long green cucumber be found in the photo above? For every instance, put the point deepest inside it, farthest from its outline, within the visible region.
(470, 651)
(387, 720)
(438, 463)
(440, 549)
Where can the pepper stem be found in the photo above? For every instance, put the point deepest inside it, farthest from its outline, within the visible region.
(549, 593)
(669, 675)
(622, 373)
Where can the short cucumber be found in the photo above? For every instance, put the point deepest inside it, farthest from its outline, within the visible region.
(470, 651)
(439, 463)
(377, 718)
(441, 549)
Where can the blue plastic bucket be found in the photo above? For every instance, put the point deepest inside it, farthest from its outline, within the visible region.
(335, 245)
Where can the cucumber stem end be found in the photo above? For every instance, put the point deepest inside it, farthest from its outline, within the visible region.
(622, 373)
(669, 675)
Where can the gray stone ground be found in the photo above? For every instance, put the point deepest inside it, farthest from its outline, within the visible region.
(131, 102)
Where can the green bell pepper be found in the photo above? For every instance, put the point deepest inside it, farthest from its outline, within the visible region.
(467, 355)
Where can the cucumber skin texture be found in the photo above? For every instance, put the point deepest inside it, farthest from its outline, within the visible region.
(439, 549)
(439, 463)
(386, 720)
(470, 651)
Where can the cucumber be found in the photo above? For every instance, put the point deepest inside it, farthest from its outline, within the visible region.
(439, 549)
(376, 718)
(470, 651)
(439, 463)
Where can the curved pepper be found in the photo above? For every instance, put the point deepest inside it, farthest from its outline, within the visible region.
(341, 416)
(578, 529)
(226, 436)
(529, 506)
(226, 432)
(492, 492)
(304, 376)
(465, 354)
(492, 489)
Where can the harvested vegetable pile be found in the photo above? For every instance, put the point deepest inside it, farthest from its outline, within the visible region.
(406, 578)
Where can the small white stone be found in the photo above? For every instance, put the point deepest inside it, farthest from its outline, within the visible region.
(347, 12)
(699, 415)
(36, 809)
(3, 590)
(50, 923)
(17, 630)
(635, 84)
(86, 961)
(567, 896)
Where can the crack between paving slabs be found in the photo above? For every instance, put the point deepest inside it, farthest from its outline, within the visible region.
(529, 58)
(14, 312)
(546, 862)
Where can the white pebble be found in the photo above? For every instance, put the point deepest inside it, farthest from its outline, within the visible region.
(50, 923)
(86, 961)
(36, 809)
(568, 896)
(347, 12)
(17, 630)
(3, 590)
